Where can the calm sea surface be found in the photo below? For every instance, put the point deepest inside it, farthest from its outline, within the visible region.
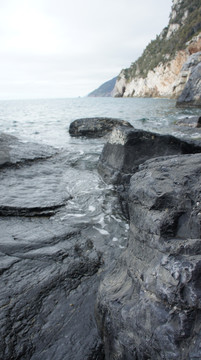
(48, 121)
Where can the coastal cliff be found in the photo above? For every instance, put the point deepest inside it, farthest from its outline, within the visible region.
(161, 71)
(169, 65)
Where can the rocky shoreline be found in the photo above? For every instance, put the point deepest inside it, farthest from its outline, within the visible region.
(66, 293)
(149, 302)
(48, 268)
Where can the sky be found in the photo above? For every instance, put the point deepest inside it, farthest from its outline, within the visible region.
(68, 48)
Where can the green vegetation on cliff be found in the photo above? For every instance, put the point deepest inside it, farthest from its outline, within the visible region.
(187, 15)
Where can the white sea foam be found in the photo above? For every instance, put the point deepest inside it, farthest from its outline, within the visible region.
(118, 220)
(91, 208)
(101, 231)
(76, 215)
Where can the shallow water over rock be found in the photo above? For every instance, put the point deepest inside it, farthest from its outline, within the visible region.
(59, 223)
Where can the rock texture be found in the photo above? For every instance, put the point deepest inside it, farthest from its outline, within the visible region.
(126, 149)
(13, 151)
(95, 127)
(48, 265)
(149, 302)
(52, 256)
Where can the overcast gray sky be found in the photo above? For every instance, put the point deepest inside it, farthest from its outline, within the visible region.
(67, 48)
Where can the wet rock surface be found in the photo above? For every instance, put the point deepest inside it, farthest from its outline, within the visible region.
(126, 149)
(53, 244)
(13, 151)
(47, 294)
(95, 127)
(194, 122)
(65, 266)
(149, 302)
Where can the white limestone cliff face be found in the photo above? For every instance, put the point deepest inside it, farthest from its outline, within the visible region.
(172, 29)
(168, 78)
(165, 80)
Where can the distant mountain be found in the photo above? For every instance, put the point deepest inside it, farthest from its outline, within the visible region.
(105, 90)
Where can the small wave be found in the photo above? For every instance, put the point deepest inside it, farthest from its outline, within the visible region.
(196, 135)
(76, 215)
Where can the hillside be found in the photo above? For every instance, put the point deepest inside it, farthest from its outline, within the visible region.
(160, 71)
(105, 89)
(165, 67)
(185, 22)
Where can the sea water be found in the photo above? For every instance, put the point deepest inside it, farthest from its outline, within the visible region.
(94, 204)
(48, 120)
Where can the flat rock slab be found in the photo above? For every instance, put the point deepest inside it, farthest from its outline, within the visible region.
(58, 229)
(47, 291)
(149, 302)
(48, 267)
(13, 151)
(37, 189)
(95, 127)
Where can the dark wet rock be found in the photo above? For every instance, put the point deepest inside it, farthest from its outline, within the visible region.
(14, 151)
(199, 122)
(126, 149)
(149, 302)
(48, 289)
(194, 122)
(48, 268)
(37, 189)
(30, 183)
(191, 95)
(54, 243)
(32, 211)
(95, 127)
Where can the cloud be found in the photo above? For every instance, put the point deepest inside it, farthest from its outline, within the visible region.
(73, 46)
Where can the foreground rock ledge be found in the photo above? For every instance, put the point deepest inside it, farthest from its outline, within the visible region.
(95, 127)
(48, 266)
(149, 303)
